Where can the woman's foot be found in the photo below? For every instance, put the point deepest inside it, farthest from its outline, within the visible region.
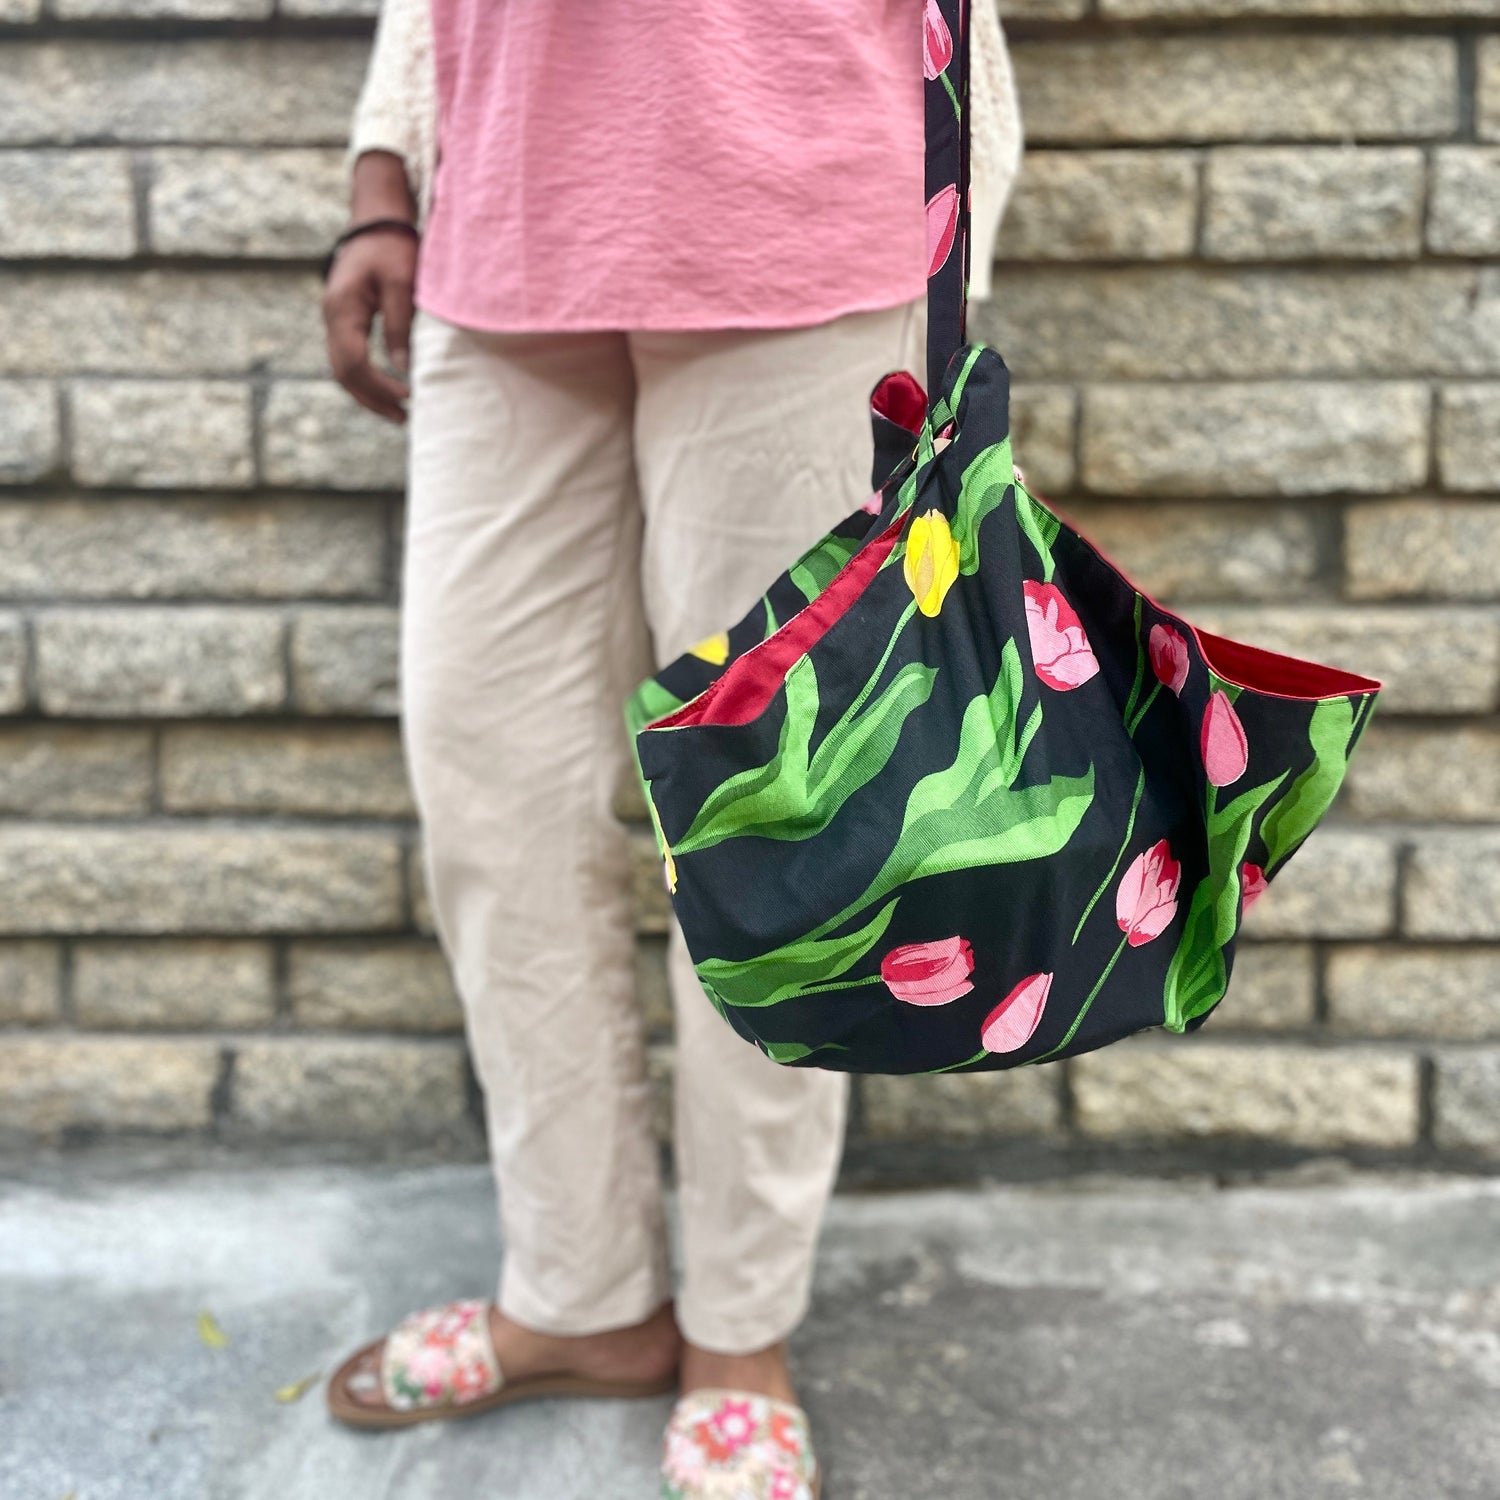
(644, 1353)
(763, 1373)
(737, 1430)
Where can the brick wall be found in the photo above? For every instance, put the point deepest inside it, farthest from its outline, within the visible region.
(1251, 295)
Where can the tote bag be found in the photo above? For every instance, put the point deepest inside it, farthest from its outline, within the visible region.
(955, 794)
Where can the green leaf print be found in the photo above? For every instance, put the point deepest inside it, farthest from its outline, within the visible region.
(1041, 528)
(794, 968)
(983, 489)
(796, 794)
(788, 1052)
(815, 569)
(648, 703)
(1197, 975)
(962, 817)
(1309, 796)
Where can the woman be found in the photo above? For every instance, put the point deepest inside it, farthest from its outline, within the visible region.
(654, 258)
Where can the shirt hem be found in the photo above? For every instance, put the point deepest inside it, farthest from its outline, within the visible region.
(803, 318)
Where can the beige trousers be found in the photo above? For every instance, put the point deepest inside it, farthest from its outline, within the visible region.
(582, 506)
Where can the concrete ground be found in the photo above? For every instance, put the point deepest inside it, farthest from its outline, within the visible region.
(1123, 1341)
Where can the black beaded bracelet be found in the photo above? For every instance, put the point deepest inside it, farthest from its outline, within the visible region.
(370, 226)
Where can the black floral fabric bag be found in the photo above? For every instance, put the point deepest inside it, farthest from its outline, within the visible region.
(956, 794)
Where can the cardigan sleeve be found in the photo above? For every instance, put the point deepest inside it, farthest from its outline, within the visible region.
(397, 109)
(995, 141)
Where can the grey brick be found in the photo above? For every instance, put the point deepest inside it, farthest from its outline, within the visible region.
(1413, 771)
(336, 769)
(159, 662)
(68, 1086)
(653, 907)
(316, 436)
(387, 1093)
(1286, 1095)
(49, 770)
(1467, 1101)
(421, 898)
(1431, 660)
(1341, 883)
(1303, 202)
(661, 1078)
(1237, 10)
(955, 1106)
(176, 10)
(399, 986)
(30, 980)
(239, 91)
(1453, 885)
(1183, 552)
(1273, 988)
(1207, 322)
(1044, 10)
(1102, 205)
(1237, 87)
(652, 986)
(277, 203)
(174, 323)
(1388, 990)
(1468, 429)
(344, 661)
(12, 665)
(66, 203)
(1042, 422)
(1463, 216)
(329, 8)
(205, 983)
(197, 879)
(1423, 548)
(1488, 52)
(1266, 438)
(154, 434)
(29, 431)
(110, 547)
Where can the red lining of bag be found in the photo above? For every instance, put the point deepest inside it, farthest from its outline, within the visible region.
(1237, 662)
(899, 398)
(751, 681)
(1241, 664)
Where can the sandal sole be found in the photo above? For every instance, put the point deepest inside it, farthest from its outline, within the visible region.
(343, 1407)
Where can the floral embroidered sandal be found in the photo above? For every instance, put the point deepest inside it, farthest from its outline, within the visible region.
(439, 1364)
(730, 1445)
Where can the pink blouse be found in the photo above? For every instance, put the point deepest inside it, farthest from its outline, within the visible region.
(652, 164)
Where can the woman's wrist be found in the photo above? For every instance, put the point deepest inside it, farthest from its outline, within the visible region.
(379, 189)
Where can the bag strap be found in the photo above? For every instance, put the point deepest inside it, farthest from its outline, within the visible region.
(945, 65)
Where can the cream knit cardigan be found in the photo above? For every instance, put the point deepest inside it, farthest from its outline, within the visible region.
(397, 112)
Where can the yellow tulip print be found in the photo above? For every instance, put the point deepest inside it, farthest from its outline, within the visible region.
(713, 649)
(669, 865)
(931, 561)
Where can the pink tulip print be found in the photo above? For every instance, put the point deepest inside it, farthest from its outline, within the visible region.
(1011, 1024)
(1147, 898)
(1226, 752)
(1059, 648)
(1169, 656)
(937, 41)
(942, 225)
(1253, 885)
(929, 973)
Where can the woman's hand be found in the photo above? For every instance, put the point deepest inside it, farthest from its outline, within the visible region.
(374, 275)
